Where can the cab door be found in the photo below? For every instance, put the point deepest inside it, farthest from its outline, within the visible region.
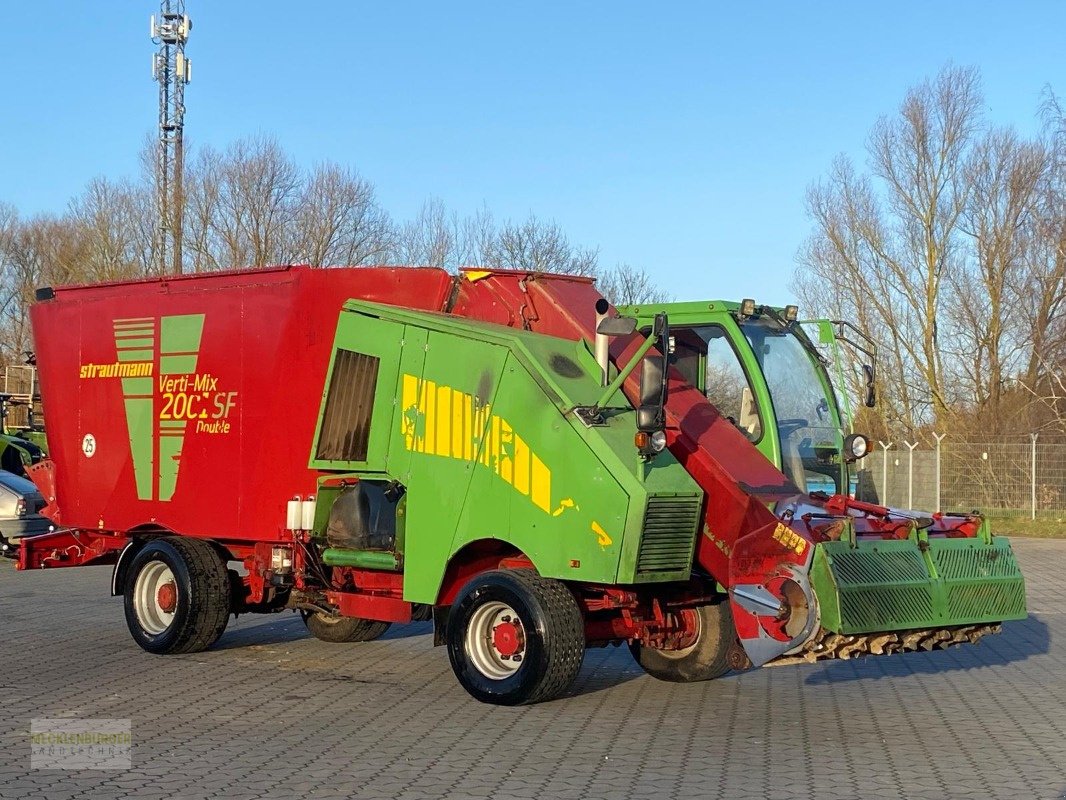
(718, 361)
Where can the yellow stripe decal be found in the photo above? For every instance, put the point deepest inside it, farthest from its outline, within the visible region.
(468, 428)
(439, 420)
(444, 421)
(496, 443)
(430, 399)
(521, 465)
(506, 465)
(459, 401)
(542, 484)
(602, 539)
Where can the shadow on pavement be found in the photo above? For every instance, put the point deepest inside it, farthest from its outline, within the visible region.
(603, 669)
(1017, 642)
(288, 627)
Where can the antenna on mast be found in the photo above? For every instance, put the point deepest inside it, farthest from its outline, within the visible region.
(172, 70)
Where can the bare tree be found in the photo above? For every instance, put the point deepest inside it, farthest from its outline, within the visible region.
(843, 276)
(920, 157)
(259, 187)
(476, 239)
(41, 251)
(945, 253)
(1043, 298)
(109, 217)
(434, 238)
(202, 242)
(252, 205)
(990, 338)
(9, 291)
(626, 285)
(892, 243)
(539, 247)
(338, 221)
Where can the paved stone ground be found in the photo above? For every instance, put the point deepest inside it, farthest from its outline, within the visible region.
(271, 712)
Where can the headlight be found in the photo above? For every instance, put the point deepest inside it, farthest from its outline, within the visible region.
(856, 446)
(650, 443)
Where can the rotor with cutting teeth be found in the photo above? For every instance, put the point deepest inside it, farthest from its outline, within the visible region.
(825, 644)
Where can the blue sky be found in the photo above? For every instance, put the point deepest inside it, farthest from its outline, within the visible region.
(677, 137)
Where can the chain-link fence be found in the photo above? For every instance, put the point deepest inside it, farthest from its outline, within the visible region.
(1006, 476)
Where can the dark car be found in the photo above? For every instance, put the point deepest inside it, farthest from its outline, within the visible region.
(17, 453)
(20, 506)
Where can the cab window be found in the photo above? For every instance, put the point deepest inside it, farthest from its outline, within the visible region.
(706, 358)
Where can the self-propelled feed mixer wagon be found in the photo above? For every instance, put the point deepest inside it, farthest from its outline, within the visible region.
(498, 451)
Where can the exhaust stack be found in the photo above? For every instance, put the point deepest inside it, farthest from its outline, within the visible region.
(602, 341)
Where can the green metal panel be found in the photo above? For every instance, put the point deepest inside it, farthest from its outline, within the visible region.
(412, 360)
(483, 438)
(980, 577)
(385, 341)
(892, 585)
(443, 472)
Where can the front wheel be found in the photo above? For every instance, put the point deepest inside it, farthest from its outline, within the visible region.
(515, 637)
(705, 658)
(176, 596)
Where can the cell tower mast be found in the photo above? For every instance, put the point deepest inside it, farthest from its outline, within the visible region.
(172, 70)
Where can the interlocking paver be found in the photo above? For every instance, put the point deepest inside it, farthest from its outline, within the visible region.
(271, 712)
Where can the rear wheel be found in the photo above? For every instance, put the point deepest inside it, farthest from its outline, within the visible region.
(705, 658)
(335, 628)
(514, 637)
(176, 596)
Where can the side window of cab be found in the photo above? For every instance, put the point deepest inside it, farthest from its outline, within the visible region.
(707, 359)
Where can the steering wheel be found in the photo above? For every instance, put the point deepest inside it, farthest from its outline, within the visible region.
(787, 427)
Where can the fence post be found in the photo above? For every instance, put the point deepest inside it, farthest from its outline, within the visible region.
(884, 472)
(1032, 476)
(910, 474)
(939, 438)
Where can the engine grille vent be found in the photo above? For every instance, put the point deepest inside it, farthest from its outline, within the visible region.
(346, 421)
(669, 538)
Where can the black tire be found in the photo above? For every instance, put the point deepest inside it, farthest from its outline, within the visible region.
(550, 640)
(201, 602)
(421, 612)
(335, 628)
(704, 660)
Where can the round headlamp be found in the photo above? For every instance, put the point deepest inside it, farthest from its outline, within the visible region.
(856, 446)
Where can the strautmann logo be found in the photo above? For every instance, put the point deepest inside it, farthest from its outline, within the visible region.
(163, 394)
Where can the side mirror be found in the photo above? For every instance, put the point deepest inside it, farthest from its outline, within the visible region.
(661, 328)
(617, 326)
(871, 385)
(652, 394)
(652, 378)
